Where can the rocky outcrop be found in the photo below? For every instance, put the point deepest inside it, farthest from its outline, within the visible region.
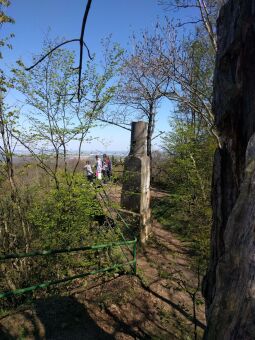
(231, 313)
(229, 286)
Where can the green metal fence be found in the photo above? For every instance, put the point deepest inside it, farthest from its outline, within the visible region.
(46, 284)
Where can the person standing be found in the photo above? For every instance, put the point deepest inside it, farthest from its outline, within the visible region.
(107, 167)
(88, 171)
(99, 167)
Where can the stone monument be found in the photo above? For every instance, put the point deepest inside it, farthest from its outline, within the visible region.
(136, 179)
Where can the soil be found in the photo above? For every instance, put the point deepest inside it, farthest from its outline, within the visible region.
(155, 304)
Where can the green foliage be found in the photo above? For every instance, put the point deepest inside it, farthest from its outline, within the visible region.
(65, 216)
(187, 178)
(4, 42)
(191, 143)
(55, 118)
(191, 151)
(54, 219)
(45, 204)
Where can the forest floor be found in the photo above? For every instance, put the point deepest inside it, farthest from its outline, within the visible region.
(158, 303)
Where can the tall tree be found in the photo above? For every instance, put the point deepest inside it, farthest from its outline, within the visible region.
(167, 64)
(57, 119)
(142, 83)
(10, 205)
(190, 63)
(6, 117)
(204, 14)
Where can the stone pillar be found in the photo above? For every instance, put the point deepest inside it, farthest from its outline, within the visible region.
(136, 179)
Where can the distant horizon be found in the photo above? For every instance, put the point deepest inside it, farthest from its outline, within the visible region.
(118, 19)
(75, 152)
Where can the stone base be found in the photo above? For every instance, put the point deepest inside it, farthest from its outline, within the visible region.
(131, 187)
(136, 191)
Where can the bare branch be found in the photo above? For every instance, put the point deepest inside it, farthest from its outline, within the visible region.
(82, 45)
(85, 17)
(159, 134)
(88, 51)
(49, 53)
(193, 22)
(113, 123)
(207, 22)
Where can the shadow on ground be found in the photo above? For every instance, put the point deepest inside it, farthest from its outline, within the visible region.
(153, 305)
(54, 318)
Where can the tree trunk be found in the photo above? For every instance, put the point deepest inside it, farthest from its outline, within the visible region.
(151, 126)
(229, 286)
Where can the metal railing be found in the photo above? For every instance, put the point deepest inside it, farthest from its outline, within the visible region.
(46, 284)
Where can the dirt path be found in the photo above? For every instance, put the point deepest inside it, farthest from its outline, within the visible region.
(155, 305)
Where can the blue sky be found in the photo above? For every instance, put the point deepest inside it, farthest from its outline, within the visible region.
(117, 17)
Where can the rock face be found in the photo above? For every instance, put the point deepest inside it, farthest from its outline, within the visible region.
(136, 179)
(229, 286)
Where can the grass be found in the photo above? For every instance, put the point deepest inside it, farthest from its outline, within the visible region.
(188, 223)
(4, 312)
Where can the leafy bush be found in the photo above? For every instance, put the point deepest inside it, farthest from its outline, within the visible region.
(54, 219)
(64, 217)
(187, 179)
